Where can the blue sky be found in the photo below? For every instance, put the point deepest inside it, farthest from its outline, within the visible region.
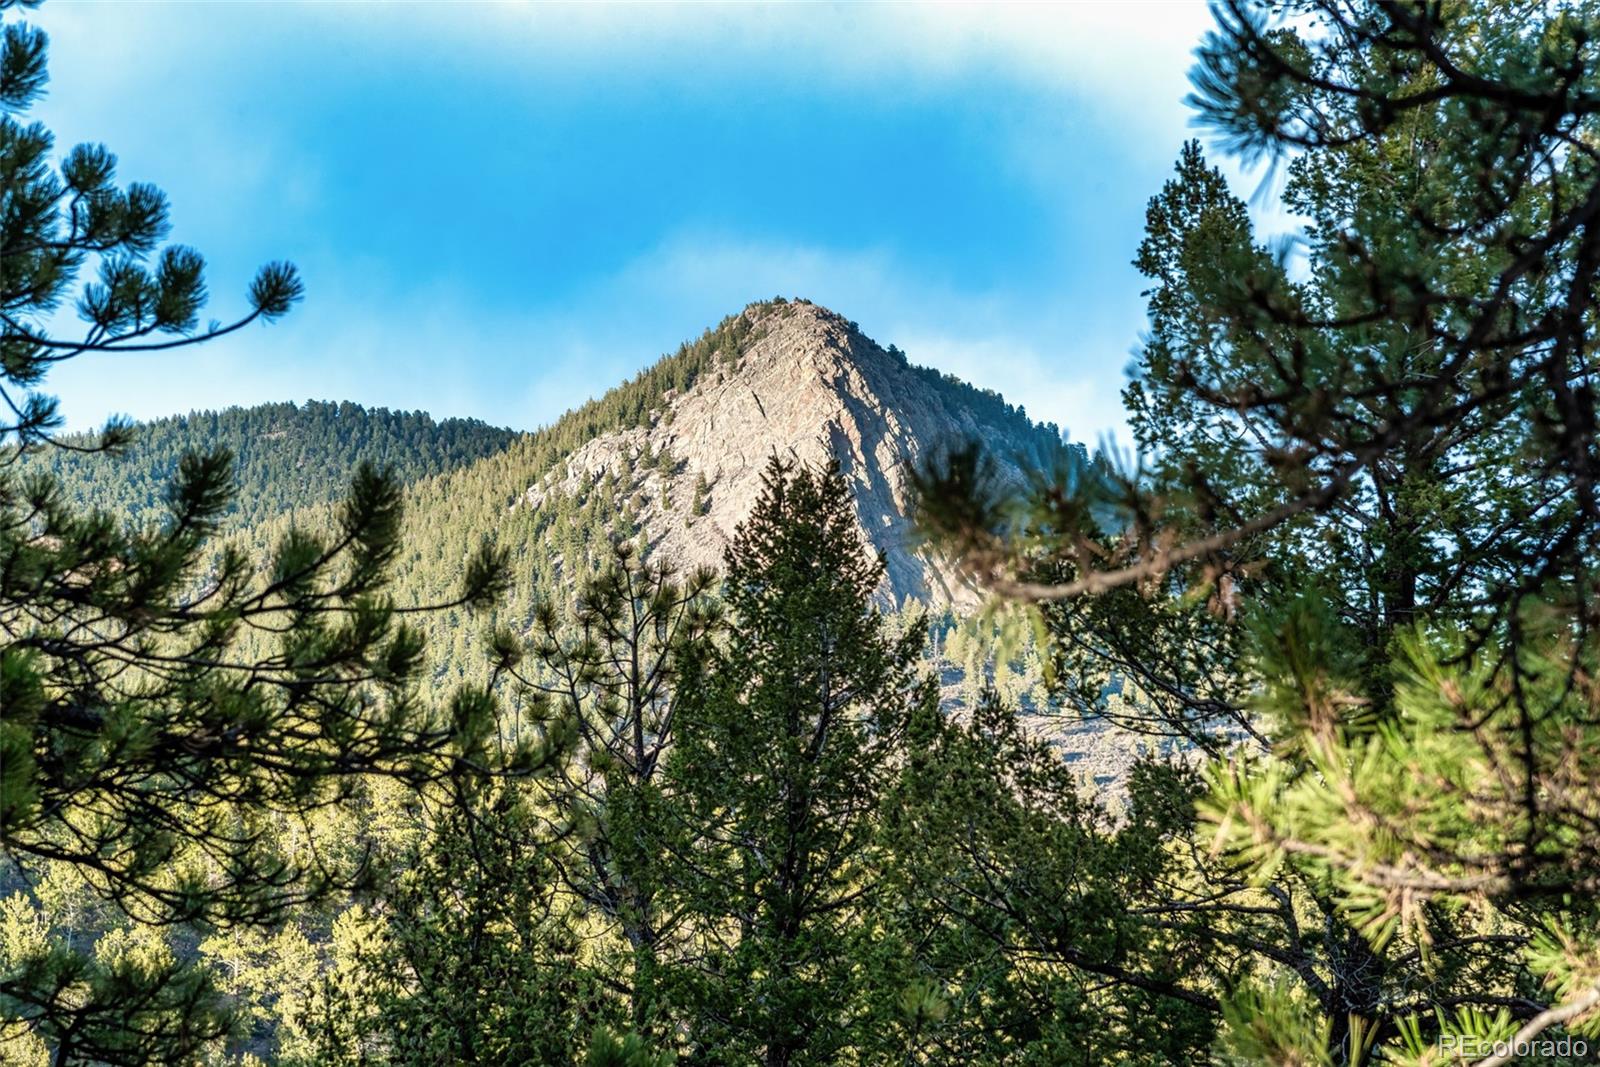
(501, 210)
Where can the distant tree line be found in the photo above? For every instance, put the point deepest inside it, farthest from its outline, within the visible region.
(285, 456)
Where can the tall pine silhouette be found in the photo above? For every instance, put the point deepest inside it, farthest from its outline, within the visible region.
(783, 753)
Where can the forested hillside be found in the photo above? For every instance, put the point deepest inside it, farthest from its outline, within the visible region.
(286, 456)
(486, 768)
(626, 467)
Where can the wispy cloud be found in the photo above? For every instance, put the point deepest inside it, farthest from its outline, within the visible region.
(1102, 46)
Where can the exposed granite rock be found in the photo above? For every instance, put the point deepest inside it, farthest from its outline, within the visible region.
(808, 386)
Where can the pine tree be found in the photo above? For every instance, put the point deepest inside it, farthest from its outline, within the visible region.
(1011, 914)
(288, 456)
(700, 503)
(1366, 538)
(172, 715)
(784, 747)
(616, 667)
(467, 958)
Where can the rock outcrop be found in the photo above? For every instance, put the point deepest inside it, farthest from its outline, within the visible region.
(807, 385)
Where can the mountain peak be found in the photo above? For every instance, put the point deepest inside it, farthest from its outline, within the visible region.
(825, 335)
(795, 379)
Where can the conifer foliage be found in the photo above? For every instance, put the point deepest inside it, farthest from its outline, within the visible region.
(720, 821)
(618, 667)
(1359, 564)
(787, 742)
(288, 458)
(143, 752)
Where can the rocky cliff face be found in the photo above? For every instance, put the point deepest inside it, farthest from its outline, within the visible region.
(807, 385)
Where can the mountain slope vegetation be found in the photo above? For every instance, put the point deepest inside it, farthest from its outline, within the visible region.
(287, 456)
(671, 462)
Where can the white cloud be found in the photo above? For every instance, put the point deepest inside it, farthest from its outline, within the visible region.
(1097, 42)
(1128, 56)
